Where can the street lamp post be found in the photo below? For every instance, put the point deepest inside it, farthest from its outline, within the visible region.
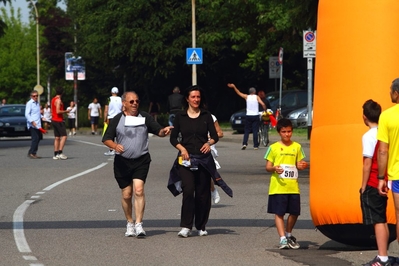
(38, 87)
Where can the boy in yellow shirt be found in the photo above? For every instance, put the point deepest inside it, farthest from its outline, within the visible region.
(283, 159)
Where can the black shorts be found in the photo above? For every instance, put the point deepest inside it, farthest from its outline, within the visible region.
(374, 206)
(281, 204)
(59, 129)
(94, 120)
(125, 170)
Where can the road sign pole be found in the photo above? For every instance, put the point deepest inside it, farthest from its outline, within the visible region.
(75, 95)
(310, 82)
(194, 71)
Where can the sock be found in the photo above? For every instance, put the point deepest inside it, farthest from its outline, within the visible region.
(60, 151)
(55, 153)
(282, 237)
(383, 258)
(288, 234)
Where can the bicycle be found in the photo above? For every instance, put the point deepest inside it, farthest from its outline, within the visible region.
(264, 126)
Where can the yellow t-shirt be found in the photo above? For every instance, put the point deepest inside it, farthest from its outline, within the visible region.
(388, 132)
(287, 157)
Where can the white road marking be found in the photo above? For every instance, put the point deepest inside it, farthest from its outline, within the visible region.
(18, 217)
(90, 143)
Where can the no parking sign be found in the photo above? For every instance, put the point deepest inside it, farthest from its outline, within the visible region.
(309, 44)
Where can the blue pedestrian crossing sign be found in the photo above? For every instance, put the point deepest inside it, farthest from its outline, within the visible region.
(194, 56)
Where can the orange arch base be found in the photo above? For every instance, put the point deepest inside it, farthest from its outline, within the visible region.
(356, 61)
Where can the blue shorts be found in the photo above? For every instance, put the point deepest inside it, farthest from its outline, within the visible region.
(281, 204)
(94, 120)
(395, 186)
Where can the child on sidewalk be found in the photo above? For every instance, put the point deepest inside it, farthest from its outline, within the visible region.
(283, 159)
(372, 203)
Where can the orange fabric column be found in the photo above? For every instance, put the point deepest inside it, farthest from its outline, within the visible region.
(356, 60)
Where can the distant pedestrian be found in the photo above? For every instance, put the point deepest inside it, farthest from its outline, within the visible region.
(94, 113)
(252, 118)
(46, 116)
(57, 121)
(154, 108)
(3, 102)
(113, 108)
(175, 104)
(72, 118)
(283, 159)
(33, 119)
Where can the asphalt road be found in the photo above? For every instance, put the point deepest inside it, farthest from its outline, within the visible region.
(68, 212)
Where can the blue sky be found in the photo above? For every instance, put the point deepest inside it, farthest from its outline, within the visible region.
(23, 5)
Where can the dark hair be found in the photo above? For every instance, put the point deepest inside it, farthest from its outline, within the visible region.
(187, 92)
(395, 85)
(59, 91)
(372, 111)
(283, 122)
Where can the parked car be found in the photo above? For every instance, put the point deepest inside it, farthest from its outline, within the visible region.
(290, 101)
(299, 117)
(13, 121)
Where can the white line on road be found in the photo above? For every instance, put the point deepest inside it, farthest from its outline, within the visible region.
(18, 217)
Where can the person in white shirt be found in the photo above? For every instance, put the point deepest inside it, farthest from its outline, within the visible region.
(94, 113)
(113, 108)
(46, 116)
(252, 118)
(72, 118)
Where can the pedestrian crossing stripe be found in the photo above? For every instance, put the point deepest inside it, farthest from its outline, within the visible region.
(194, 55)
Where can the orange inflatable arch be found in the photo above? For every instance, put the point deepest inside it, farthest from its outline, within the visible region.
(357, 59)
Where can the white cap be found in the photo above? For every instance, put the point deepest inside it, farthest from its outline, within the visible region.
(114, 90)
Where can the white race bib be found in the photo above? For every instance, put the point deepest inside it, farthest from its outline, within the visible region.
(290, 171)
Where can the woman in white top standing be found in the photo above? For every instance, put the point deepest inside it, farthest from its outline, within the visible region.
(46, 116)
(252, 115)
(72, 118)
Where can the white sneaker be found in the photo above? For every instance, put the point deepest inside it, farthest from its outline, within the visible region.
(62, 156)
(70, 133)
(109, 153)
(202, 233)
(139, 230)
(130, 229)
(56, 157)
(184, 232)
(215, 196)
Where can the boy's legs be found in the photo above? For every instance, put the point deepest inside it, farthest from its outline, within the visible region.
(291, 220)
(279, 220)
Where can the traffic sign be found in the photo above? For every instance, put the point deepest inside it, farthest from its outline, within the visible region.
(274, 67)
(309, 44)
(194, 56)
(280, 56)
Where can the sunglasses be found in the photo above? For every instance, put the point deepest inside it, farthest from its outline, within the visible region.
(34, 96)
(132, 101)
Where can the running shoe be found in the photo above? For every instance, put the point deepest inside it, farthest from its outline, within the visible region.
(377, 262)
(283, 244)
(292, 242)
(184, 232)
(130, 229)
(202, 233)
(139, 230)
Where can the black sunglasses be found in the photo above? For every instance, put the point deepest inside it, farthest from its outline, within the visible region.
(132, 101)
(34, 95)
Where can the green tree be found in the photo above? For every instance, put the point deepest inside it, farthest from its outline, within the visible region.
(17, 59)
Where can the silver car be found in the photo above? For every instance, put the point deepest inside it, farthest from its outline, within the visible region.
(299, 117)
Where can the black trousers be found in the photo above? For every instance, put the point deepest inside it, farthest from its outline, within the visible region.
(36, 137)
(196, 203)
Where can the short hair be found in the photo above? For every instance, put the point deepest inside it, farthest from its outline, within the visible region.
(59, 91)
(32, 92)
(126, 93)
(283, 122)
(372, 111)
(176, 90)
(252, 90)
(395, 85)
